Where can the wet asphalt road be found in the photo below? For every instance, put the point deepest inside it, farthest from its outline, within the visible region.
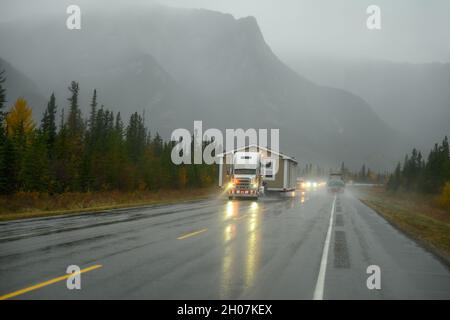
(220, 249)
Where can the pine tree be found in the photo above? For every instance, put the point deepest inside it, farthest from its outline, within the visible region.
(2, 97)
(93, 110)
(3, 142)
(397, 176)
(432, 171)
(71, 144)
(35, 173)
(445, 160)
(48, 123)
(8, 167)
(118, 125)
(157, 145)
(135, 137)
(74, 121)
(62, 122)
(117, 155)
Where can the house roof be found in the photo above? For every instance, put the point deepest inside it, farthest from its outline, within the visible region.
(282, 155)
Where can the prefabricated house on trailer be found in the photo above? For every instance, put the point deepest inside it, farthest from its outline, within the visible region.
(279, 171)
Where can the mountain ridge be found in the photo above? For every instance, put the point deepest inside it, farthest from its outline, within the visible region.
(412, 97)
(215, 68)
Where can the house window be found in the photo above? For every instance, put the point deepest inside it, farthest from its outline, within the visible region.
(267, 169)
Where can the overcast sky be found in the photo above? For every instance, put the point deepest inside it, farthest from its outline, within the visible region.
(412, 30)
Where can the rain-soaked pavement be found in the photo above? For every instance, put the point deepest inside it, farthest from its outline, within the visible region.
(220, 249)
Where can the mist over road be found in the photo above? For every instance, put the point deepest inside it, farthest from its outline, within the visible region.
(219, 249)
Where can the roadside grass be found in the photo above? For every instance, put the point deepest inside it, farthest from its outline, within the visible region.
(418, 215)
(24, 205)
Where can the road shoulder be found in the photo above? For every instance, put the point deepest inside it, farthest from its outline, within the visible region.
(83, 206)
(418, 219)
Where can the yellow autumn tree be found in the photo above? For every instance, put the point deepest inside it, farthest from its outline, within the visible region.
(444, 198)
(19, 120)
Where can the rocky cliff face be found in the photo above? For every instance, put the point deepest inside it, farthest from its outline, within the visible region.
(183, 65)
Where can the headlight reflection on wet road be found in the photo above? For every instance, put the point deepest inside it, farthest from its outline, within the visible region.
(243, 224)
(253, 245)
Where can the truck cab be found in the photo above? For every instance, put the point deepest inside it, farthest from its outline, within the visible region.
(246, 179)
(335, 183)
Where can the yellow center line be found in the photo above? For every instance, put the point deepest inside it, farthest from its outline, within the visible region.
(191, 234)
(48, 282)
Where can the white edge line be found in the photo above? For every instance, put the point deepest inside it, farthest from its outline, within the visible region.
(320, 284)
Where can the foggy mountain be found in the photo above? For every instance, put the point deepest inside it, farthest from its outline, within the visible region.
(413, 98)
(181, 65)
(18, 85)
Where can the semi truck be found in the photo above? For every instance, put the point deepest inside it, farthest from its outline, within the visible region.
(335, 183)
(272, 172)
(246, 178)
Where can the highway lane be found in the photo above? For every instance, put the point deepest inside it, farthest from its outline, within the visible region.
(220, 249)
